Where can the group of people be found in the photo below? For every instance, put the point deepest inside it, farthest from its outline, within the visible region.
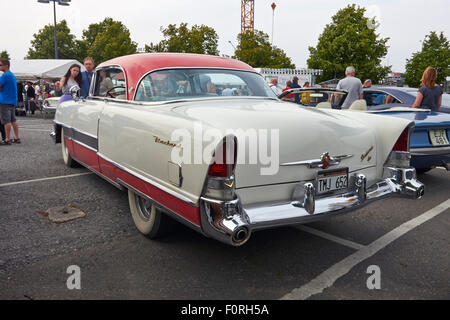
(74, 77)
(429, 95)
(11, 94)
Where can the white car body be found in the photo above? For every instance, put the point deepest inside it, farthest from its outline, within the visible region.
(130, 143)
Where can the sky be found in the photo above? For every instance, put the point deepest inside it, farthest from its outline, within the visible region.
(297, 23)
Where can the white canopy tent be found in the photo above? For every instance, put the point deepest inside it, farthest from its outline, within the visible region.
(42, 68)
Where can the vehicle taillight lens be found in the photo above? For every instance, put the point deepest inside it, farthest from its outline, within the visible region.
(402, 142)
(224, 159)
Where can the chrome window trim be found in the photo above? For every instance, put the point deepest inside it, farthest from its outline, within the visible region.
(109, 67)
(153, 183)
(204, 68)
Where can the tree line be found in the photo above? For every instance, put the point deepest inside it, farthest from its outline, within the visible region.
(349, 39)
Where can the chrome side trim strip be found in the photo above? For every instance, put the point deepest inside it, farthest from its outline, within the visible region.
(169, 212)
(82, 144)
(153, 183)
(429, 151)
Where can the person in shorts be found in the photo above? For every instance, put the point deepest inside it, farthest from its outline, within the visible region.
(8, 102)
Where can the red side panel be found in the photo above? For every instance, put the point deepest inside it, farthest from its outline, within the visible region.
(87, 156)
(69, 145)
(185, 210)
(112, 172)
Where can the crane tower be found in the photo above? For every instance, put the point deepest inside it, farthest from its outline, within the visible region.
(247, 15)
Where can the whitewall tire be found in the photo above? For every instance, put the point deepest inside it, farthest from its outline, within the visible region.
(149, 220)
(68, 161)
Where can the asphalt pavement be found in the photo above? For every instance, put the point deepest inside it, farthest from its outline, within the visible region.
(116, 262)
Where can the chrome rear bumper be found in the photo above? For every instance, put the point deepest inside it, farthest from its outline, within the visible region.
(229, 222)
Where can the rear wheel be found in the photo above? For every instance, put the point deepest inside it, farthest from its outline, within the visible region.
(68, 161)
(149, 220)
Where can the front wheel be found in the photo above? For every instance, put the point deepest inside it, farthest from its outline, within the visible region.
(68, 161)
(149, 220)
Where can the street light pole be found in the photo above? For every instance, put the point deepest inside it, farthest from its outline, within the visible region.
(61, 3)
(56, 37)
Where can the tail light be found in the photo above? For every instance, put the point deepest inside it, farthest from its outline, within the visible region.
(224, 159)
(400, 156)
(402, 142)
(220, 180)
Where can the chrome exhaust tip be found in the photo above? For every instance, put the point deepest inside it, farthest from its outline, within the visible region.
(240, 236)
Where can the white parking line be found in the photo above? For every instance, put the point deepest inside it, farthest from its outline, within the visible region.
(40, 130)
(44, 179)
(327, 278)
(330, 237)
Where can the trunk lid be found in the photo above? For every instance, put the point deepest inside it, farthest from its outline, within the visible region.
(285, 133)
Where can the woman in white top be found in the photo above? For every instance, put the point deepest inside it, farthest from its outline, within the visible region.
(71, 78)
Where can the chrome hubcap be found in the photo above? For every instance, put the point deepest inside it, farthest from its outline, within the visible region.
(145, 207)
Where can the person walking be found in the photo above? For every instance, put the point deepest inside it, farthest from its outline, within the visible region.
(87, 76)
(352, 85)
(8, 102)
(430, 94)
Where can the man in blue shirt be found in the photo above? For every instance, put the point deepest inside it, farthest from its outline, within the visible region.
(8, 102)
(87, 76)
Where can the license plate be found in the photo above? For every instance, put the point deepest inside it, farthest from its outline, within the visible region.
(332, 180)
(438, 137)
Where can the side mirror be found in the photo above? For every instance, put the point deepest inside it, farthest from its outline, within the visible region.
(75, 92)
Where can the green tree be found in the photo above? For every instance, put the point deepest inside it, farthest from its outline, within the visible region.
(436, 53)
(4, 55)
(106, 40)
(199, 39)
(350, 39)
(43, 43)
(255, 49)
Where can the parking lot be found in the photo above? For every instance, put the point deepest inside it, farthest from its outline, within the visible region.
(407, 240)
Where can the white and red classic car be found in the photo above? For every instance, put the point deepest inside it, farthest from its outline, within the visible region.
(204, 140)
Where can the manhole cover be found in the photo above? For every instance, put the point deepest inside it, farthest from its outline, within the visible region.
(64, 214)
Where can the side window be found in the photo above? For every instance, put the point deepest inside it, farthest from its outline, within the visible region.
(374, 98)
(110, 82)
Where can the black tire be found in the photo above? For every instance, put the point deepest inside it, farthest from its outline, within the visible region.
(68, 160)
(148, 219)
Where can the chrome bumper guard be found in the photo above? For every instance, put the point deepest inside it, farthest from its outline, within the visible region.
(229, 222)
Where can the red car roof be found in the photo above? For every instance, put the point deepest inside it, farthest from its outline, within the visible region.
(137, 65)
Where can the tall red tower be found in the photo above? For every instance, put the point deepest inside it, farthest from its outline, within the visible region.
(247, 15)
